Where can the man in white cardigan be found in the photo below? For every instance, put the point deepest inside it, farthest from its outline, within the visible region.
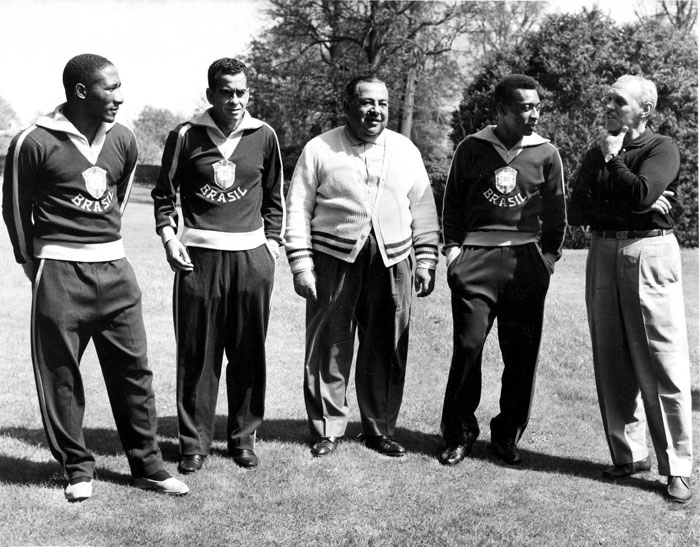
(360, 211)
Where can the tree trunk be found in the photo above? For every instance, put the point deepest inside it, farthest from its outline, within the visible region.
(409, 100)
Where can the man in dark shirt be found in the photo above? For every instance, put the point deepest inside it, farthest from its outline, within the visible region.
(226, 166)
(67, 182)
(624, 190)
(503, 224)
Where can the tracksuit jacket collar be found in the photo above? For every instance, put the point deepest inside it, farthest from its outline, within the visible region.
(508, 155)
(57, 121)
(205, 120)
(487, 134)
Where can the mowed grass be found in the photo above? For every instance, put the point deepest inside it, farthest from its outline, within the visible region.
(355, 497)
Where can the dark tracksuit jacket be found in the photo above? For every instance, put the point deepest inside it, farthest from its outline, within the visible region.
(231, 192)
(63, 200)
(504, 208)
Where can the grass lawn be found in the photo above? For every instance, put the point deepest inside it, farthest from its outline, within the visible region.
(355, 497)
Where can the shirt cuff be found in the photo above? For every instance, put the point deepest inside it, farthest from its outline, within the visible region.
(166, 234)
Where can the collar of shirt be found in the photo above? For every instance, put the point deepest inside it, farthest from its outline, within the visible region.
(247, 122)
(354, 141)
(225, 143)
(640, 141)
(57, 121)
(488, 135)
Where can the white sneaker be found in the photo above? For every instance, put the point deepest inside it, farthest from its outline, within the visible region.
(79, 491)
(170, 486)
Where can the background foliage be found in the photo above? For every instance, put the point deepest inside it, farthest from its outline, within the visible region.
(314, 46)
(575, 58)
(151, 129)
(422, 50)
(432, 53)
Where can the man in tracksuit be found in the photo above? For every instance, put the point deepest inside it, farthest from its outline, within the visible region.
(504, 182)
(67, 181)
(228, 169)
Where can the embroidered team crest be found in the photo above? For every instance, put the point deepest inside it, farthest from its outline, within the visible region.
(224, 174)
(95, 181)
(505, 180)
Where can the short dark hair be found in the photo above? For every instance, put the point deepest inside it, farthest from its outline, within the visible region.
(350, 90)
(505, 89)
(83, 69)
(226, 65)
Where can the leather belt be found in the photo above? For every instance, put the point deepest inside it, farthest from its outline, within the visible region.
(631, 234)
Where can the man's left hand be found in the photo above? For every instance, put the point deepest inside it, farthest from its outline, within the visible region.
(662, 205)
(425, 281)
(550, 259)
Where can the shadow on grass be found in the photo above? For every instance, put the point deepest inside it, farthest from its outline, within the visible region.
(562, 465)
(105, 442)
(21, 471)
(99, 441)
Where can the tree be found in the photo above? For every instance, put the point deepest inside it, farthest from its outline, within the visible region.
(151, 128)
(502, 25)
(8, 125)
(682, 14)
(315, 46)
(575, 58)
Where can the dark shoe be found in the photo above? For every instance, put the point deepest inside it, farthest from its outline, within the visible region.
(324, 446)
(627, 469)
(455, 453)
(678, 489)
(244, 457)
(384, 445)
(191, 463)
(507, 451)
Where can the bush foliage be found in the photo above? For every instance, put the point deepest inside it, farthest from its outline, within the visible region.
(575, 58)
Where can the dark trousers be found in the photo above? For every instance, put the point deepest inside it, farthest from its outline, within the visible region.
(223, 306)
(74, 302)
(376, 301)
(508, 283)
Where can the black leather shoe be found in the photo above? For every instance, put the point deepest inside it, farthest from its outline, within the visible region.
(384, 445)
(678, 489)
(507, 451)
(325, 446)
(455, 453)
(625, 470)
(244, 457)
(191, 463)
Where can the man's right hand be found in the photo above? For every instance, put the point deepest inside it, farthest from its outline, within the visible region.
(30, 270)
(451, 254)
(305, 284)
(177, 256)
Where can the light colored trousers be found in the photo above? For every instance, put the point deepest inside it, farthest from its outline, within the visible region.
(636, 316)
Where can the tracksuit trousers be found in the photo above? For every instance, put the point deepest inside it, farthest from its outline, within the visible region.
(376, 301)
(509, 283)
(223, 306)
(73, 303)
(636, 316)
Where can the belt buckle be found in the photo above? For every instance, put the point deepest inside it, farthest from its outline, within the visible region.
(622, 235)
